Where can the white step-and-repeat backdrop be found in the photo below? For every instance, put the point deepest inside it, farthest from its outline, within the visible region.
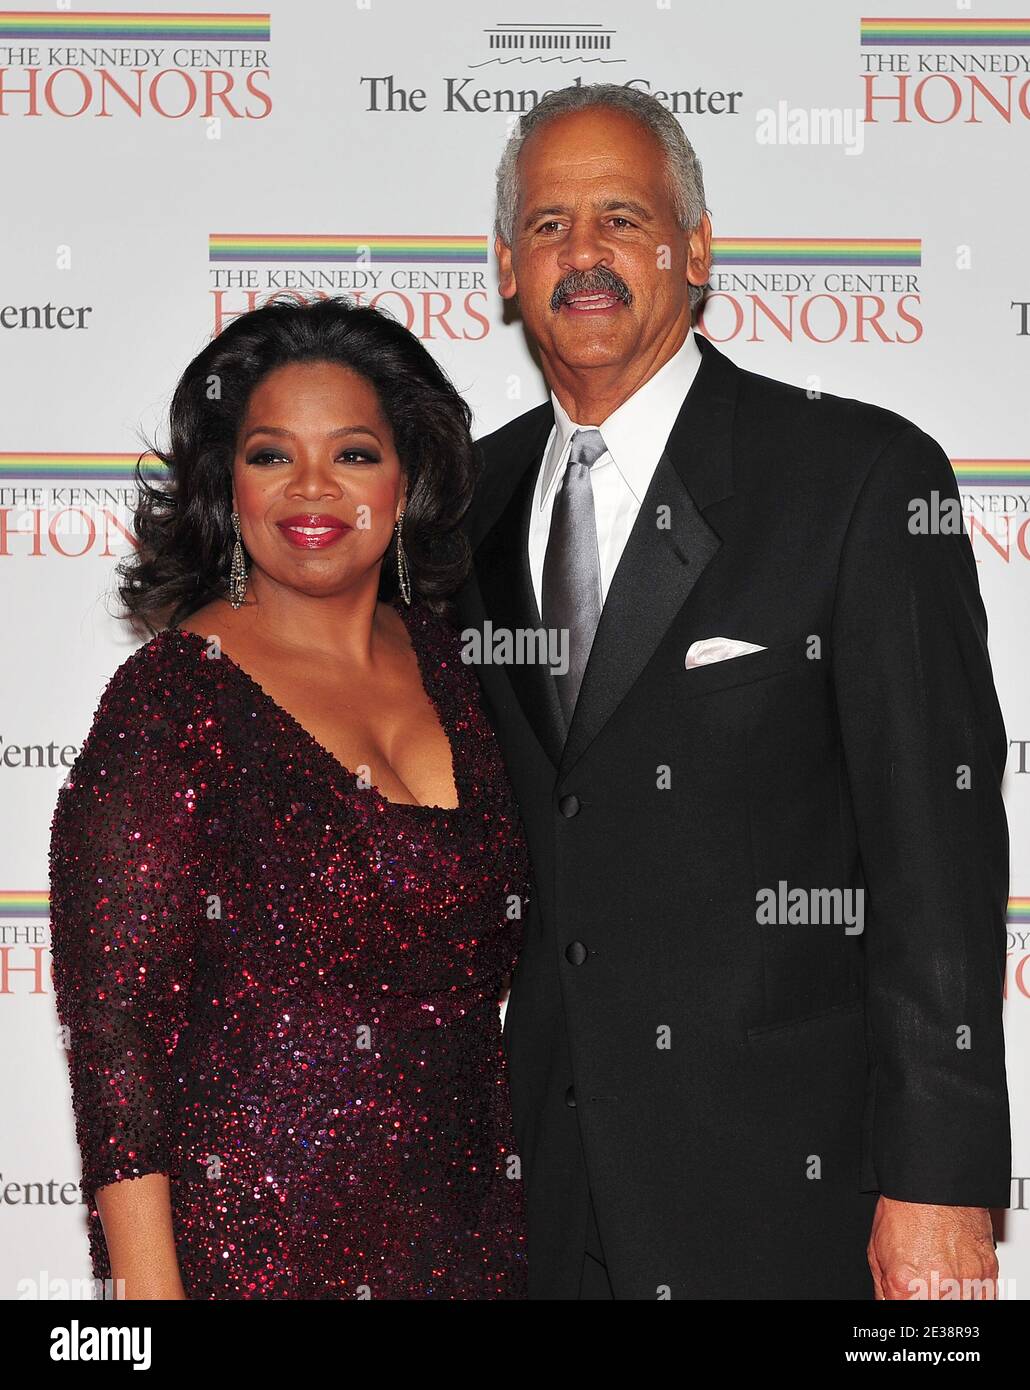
(164, 169)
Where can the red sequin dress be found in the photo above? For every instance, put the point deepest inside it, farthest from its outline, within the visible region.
(281, 989)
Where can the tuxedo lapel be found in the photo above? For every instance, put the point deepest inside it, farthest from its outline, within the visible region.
(506, 589)
(656, 573)
(666, 552)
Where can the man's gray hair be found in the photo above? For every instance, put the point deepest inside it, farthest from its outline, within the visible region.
(684, 167)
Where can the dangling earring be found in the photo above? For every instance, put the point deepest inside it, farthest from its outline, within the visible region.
(238, 573)
(403, 580)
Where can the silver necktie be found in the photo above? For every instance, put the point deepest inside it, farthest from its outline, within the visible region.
(571, 585)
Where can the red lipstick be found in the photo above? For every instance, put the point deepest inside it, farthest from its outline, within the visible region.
(313, 530)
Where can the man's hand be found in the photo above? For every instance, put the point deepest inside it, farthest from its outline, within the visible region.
(921, 1251)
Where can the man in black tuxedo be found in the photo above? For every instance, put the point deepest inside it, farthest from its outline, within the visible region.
(754, 1035)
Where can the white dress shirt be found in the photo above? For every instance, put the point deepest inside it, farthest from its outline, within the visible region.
(635, 434)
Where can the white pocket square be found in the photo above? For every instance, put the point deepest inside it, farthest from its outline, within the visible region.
(711, 649)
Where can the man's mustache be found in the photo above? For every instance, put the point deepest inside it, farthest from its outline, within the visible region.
(600, 280)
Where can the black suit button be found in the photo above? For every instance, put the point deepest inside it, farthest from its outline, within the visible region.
(576, 953)
(570, 1096)
(569, 805)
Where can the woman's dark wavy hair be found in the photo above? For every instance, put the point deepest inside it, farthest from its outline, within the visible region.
(183, 522)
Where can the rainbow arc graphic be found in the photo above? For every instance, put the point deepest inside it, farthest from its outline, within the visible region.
(805, 250)
(393, 250)
(935, 33)
(134, 24)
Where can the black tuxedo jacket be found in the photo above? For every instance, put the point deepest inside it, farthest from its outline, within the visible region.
(736, 1091)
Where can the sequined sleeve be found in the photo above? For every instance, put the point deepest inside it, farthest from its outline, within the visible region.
(124, 909)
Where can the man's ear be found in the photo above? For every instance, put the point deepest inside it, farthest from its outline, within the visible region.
(505, 274)
(699, 252)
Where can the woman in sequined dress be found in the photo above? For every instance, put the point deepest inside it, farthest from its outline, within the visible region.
(287, 871)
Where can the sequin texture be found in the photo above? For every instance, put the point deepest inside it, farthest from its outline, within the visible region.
(281, 989)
